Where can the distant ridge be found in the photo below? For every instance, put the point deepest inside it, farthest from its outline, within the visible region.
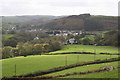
(84, 22)
(73, 22)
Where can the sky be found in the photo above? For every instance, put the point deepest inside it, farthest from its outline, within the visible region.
(58, 7)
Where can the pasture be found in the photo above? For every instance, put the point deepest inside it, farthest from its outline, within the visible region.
(6, 36)
(91, 37)
(43, 62)
(84, 68)
(88, 48)
(107, 74)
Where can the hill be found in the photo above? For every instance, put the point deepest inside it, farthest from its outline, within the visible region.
(26, 21)
(83, 22)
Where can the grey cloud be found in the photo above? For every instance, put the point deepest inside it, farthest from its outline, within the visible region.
(13, 7)
(80, 4)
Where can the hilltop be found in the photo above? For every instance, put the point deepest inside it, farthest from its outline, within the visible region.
(83, 22)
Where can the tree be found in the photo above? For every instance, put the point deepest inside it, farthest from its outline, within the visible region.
(10, 42)
(85, 41)
(15, 51)
(12, 32)
(28, 48)
(55, 45)
(25, 49)
(98, 40)
(7, 52)
(46, 47)
(38, 48)
(20, 48)
(112, 38)
(25, 36)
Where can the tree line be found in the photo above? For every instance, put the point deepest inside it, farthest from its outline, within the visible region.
(25, 49)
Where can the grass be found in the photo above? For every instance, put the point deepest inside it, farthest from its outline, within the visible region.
(38, 63)
(91, 37)
(88, 48)
(83, 68)
(107, 74)
(6, 36)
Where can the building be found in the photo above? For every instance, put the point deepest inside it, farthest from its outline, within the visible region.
(70, 41)
(36, 38)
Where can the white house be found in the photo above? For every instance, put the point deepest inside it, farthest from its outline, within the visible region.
(72, 41)
(36, 38)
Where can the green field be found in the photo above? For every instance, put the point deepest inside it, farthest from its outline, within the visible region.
(43, 62)
(91, 37)
(107, 74)
(6, 36)
(88, 48)
(84, 68)
(35, 63)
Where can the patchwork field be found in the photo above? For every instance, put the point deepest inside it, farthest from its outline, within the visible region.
(38, 63)
(23, 65)
(88, 48)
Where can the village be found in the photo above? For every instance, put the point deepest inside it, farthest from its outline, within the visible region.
(58, 33)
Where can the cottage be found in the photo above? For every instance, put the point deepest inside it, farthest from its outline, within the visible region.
(36, 38)
(70, 41)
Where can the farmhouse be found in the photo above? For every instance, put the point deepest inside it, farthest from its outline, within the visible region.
(70, 41)
(36, 38)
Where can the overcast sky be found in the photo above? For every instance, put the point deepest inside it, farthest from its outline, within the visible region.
(58, 7)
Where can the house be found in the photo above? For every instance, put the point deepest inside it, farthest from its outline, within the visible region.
(36, 38)
(13, 28)
(74, 34)
(70, 41)
(62, 34)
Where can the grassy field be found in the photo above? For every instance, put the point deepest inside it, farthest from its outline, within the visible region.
(107, 74)
(83, 69)
(43, 62)
(88, 48)
(91, 37)
(7, 36)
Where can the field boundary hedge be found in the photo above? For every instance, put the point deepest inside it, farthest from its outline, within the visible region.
(82, 53)
(39, 73)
